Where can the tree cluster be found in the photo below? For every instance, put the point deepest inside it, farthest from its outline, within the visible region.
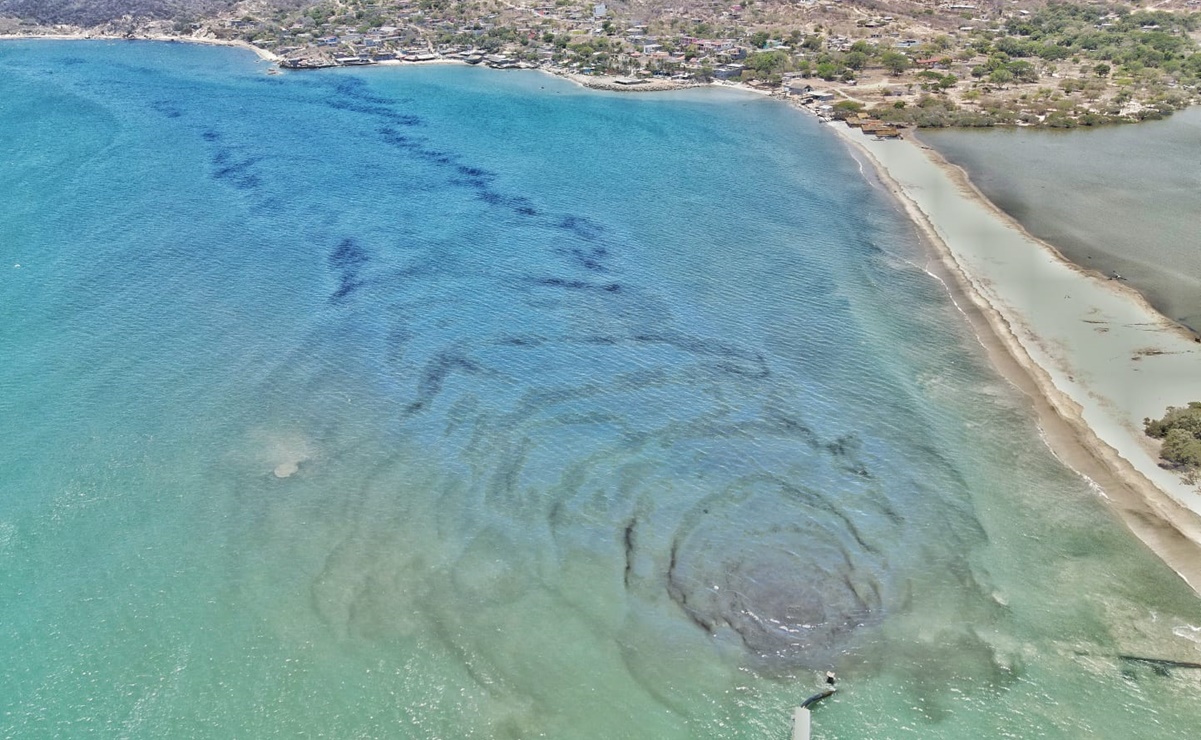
(1180, 430)
(1111, 35)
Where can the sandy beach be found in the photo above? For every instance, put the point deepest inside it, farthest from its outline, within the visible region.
(260, 52)
(1092, 355)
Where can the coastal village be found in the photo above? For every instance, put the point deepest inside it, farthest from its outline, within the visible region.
(930, 63)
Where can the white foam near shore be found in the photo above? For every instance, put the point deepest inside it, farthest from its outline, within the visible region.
(1096, 351)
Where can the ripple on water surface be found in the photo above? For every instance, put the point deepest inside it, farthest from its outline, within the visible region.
(467, 403)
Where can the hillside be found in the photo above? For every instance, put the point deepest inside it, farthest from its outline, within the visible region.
(952, 63)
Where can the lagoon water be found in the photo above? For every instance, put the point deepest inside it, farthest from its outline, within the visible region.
(1124, 199)
(443, 402)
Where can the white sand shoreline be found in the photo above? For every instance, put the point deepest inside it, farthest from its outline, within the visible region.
(81, 36)
(1091, 353)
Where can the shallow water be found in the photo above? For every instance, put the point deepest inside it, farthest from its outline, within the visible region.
(1117, 199)
(447, 403)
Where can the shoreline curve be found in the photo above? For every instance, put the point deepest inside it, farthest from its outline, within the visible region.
(1113, 456)
(260, 52)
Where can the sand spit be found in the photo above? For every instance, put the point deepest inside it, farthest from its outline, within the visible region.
(1093, 356)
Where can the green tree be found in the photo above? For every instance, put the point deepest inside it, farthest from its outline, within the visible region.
(996, 61)
(1053, 52)
(1180, 430)
(767, 61)
(1181, 448)
(895, 62)
(1014, 47)
(1022, 71)
(827, 71)
(1187, 418)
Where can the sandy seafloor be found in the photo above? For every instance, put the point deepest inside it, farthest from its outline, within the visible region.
(449, 403)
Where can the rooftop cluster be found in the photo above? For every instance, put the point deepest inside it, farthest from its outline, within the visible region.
(908, 61)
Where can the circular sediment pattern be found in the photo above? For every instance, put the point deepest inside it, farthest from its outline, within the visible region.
(785, 568)
(422, 403)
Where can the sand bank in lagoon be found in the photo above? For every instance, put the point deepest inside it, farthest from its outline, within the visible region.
(1095, 358)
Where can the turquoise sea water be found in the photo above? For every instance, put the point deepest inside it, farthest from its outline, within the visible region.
(449, 403)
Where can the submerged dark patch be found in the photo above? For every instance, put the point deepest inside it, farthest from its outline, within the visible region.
(582, 227)
(435, 374)
(568, 394)
(166, 108)
(579, 285)
(347, 259)
(348, 254)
